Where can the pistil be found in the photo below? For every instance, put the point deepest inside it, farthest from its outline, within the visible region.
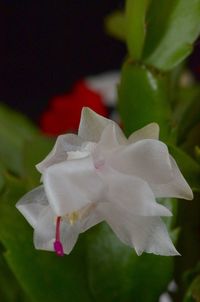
(58, 247)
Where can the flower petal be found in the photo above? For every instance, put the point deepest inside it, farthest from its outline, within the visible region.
(177, 187)
(91, 220)
(132, 194)
(32, 203)
(148, 159)
(44, 234)
(147, 234)
(71, 185)
(92, 125)
(151, 131)
(64, 143)
(112, 137)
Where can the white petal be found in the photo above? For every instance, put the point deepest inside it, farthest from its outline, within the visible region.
(91, 220)
(177, 187)
(132, 194)
(64, 143)
(44, 234)
(147, 234)
(71, 185)
(31, 205)
(147, 159)
(92, 125)
(151, 131)
(112, 137)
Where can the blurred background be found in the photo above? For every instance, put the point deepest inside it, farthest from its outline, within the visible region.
(47, 46)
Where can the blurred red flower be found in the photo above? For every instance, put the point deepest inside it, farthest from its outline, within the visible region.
(63, 114)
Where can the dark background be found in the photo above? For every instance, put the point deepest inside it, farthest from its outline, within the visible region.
(45, 46)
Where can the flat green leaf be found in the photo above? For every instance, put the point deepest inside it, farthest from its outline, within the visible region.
(172, 28)
(135, 26)
(115, 25)
(10, 289)
(42, 275)
(14, 130)
(116, 273)
(143, 99)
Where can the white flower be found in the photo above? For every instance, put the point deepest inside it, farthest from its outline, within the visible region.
(100, 175)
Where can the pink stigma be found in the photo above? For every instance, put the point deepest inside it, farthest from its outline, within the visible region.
(58, 247)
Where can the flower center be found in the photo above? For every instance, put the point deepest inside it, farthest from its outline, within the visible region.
(72, 218)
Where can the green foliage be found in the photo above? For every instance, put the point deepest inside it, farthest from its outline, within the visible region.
(158, 34)
(115, 25)
(193, 293)
(117, 274)
(173, 26)
(14, 130)
(10, 289)
(188, 166)
(143, 99)
(135, 26)
(42, 275)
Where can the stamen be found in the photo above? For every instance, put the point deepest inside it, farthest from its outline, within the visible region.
(58, 247)
(73, 217)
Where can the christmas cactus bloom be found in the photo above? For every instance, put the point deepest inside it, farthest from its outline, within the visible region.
(99, 175)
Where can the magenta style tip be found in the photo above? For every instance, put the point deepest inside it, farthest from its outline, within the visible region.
(58, 248)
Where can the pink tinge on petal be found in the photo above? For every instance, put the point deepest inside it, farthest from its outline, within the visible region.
(58, 248)
(99, 163)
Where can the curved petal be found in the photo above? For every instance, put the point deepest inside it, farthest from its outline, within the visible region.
(44, 233)
(150, 131)
(131, 194)
(92, 125)
(91, 220)
(112, 137)
(64, 143)
(31, 205)
(71, 185)
(147, 159)
(177, 187)
(147, 234)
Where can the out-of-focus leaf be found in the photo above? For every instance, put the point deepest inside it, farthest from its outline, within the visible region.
(184, 97)
(190, 118)
(193, 294)
(2, 180)
(10, 291)
(188, 166)
(115, 25)
(197, 153)
(172, 28)
(43, 275)
(14, 130)
(188, 243)
(33, 152)
(143, 99)
(116, 273)
(192, 139)
(135, 26)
